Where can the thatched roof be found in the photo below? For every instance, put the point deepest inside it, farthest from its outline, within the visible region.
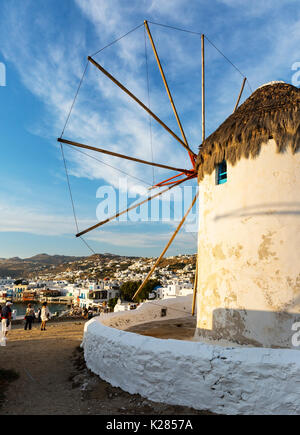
(272, 111)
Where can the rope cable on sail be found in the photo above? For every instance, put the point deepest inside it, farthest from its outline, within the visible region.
(213, 45)
(149, 103)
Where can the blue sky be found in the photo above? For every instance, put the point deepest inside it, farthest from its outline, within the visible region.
(44, 45)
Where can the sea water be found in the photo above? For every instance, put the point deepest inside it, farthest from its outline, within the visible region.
(20, 307)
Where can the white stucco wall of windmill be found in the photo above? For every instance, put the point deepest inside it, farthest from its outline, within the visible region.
(248, 252)
(224, 380)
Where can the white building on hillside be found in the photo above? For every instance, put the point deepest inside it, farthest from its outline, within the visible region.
(124, 306)
(87, 297)
(175, 290)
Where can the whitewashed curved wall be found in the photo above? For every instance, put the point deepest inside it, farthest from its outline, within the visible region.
(248, 254)
(240, 380)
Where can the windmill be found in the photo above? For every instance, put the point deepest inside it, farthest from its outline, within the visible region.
(182, 175)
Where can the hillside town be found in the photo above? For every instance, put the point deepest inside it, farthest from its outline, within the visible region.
(95, 282)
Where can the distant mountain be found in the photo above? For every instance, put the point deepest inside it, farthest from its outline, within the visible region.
(97, 266)
(42, 263)
(51, 259)
(21, 268)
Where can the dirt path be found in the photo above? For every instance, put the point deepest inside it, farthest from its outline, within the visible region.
(55, 381)
(43, 360)
(179, 329)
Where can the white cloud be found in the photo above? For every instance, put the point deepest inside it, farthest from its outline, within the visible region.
(103, 116)
(51, 71)
(34, 220)
(176, 11)
(106, 15)
(183, 240)
(256, 8)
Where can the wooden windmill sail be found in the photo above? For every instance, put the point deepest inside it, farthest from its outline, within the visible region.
(182, 174)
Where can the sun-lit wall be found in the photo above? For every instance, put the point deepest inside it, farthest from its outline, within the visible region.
(248, 254)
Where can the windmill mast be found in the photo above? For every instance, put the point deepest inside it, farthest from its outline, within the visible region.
(203, 88)
(240, 94)
(203, 138)
(167, 88)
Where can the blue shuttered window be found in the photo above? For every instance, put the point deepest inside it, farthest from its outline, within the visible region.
(222, 173)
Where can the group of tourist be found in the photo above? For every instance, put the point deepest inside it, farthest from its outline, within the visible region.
(30, 316)
(87, 313)
(43, 316)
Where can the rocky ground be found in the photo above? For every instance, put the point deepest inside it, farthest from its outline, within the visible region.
(179, 329)
(53, 378)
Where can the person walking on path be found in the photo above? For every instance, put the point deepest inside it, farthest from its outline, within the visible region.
(45, 316)
(6, 318)
(29, 317)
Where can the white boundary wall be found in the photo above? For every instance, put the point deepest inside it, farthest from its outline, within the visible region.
(225, 380)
